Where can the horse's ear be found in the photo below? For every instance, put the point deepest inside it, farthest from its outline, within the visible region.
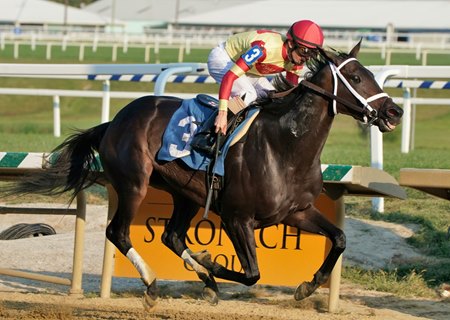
(355, 50)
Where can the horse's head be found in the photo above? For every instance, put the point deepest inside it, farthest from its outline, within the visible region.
(358, 94)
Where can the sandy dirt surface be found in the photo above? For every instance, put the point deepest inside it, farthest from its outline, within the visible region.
(370, 244)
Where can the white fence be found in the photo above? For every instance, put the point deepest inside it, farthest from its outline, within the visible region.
(421, 44)
(191, 72)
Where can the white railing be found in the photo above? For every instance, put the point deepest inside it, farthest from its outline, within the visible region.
(210, 35)
(88, 71)
(402, 72)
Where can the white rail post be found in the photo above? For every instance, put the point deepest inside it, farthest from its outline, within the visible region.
(33, 42)
(106, 101)
(16, 50)
(64, 43)
(376, 140)
(114, 53)
(406, 121)
(147, 54)
(56, 117)
(95, 43)
(81, 53)
(48, 53)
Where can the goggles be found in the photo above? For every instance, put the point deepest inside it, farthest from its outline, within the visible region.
(305, 51)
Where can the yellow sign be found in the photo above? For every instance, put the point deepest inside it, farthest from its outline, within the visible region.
(285, 255)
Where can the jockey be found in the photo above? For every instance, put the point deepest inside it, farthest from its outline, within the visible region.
(242, 61)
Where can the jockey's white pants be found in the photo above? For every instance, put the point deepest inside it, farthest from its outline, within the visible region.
(248, 86)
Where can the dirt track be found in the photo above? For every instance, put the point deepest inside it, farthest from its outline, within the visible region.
(266, 303)
(25, 299)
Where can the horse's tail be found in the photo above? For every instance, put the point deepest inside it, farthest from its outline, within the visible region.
(72, 166)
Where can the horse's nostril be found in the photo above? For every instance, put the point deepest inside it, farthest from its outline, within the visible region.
(392, 112)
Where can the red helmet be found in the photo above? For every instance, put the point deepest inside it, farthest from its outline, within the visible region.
(306, 33)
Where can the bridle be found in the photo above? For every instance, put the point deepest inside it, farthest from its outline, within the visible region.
(370, 115)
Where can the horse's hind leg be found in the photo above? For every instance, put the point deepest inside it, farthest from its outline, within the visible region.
(313, 221)
(174, 237)
(130, 194)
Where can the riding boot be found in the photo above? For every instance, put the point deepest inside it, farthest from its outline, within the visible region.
(205, 139)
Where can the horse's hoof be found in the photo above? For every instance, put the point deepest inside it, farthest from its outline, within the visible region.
(303, 291)
(150, 297)
(210, 295)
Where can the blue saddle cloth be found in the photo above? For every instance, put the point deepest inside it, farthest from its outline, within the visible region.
(182, 127)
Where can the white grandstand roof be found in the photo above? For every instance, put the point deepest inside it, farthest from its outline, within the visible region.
(402, 14)
(342, 14)
(158, 10)
(46, 12)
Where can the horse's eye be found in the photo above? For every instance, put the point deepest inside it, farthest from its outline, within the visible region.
(355, 79)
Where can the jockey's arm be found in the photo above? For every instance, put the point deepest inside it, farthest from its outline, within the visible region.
(237, 70)
(240, 67)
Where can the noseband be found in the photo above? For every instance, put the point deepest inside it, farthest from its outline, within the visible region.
(369, 114)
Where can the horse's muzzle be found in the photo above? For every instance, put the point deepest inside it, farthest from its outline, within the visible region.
(389, 116)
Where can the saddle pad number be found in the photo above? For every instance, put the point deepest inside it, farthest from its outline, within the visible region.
(252, 55)
(187, 128)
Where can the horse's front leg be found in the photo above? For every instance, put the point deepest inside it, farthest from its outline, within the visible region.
(174, 237)
(242, 236)
(311, 220)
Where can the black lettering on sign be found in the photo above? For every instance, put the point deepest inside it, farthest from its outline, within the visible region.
(205, 233)
(263, 242)
(294, 235)
(205, 241)
(150, 230)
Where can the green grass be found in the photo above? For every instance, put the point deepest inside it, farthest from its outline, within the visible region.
(430, 216)
(26, 124)
(390, 281)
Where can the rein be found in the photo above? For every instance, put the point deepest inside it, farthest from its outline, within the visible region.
(321, 91)
(367, 110)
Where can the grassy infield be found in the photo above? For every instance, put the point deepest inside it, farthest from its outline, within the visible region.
(26, 125)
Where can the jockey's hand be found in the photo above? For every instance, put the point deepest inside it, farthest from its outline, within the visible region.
(221, 122)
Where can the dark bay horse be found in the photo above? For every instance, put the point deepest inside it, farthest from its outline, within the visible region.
(273, 175)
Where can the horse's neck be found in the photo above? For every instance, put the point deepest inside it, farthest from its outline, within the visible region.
(307, 127)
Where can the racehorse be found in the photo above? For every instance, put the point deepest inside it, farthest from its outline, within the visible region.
(272, 175)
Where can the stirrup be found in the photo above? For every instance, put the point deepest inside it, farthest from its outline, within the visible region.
(205, 140)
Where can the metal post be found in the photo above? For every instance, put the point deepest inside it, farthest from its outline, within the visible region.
(80, 222)
(106, 101)
(376, 140)
(406, 121)
(335, 278)
(56, 117)
(108, 254)
(413, 121)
